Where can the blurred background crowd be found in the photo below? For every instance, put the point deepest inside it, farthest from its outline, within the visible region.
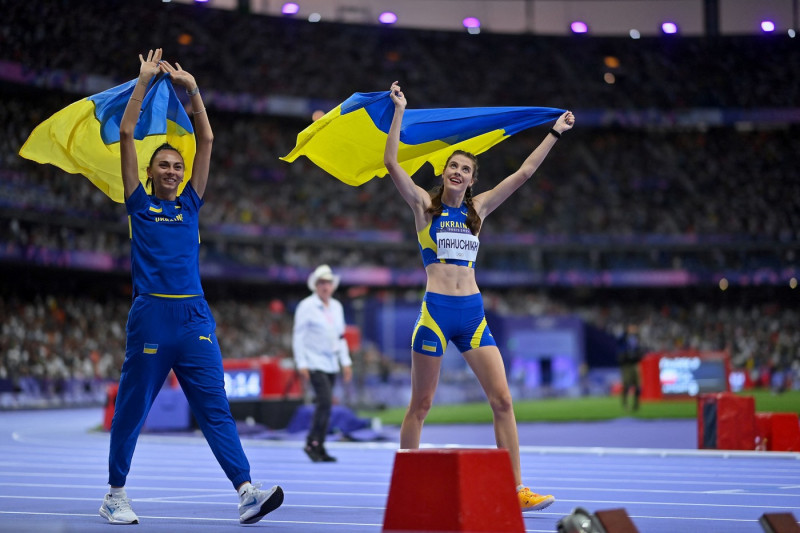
(691, 230)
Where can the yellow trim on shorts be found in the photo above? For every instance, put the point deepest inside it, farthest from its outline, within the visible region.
(174, 295)
(476, 337)
(427, 320)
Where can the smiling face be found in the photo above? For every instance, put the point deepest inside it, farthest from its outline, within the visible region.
(460, 172)
(166, 169)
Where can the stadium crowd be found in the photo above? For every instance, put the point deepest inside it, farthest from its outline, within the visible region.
(601, 184)
(615, 182)
(277, 56)
(60, 338)
(729, 193)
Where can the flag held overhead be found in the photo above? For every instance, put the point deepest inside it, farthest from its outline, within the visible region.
(348, 142)
(83, 138)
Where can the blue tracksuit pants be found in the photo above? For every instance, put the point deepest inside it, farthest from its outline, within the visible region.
(177, 334)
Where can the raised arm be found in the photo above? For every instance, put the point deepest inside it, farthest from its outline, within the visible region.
(415, 196)
(202, 127)
(488, 201)
(127, 149)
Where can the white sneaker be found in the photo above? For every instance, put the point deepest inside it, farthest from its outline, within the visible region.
(255, 503)
(118, 510)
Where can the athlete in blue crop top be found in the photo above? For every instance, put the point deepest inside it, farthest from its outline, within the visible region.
(170, 326)
(448, 220)
(448, 239)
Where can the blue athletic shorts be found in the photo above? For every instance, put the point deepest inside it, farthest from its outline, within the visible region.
(444, 318)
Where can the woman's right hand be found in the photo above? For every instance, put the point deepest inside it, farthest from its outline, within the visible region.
(397, 96)
(149, 67)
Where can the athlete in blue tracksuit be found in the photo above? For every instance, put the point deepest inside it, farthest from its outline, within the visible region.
(170, 326)
(448, 220)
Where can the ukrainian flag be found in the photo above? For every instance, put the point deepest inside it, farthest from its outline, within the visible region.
(348, 142)
(83, 138)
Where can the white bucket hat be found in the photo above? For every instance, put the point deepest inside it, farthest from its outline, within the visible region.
(322, 272)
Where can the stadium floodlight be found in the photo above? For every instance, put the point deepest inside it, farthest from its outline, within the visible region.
(471, 22)
(634, 34)
(669, 28)
(579, 27)
(314, 17)
(473, 25)
(767, 26)
(387, 17)
(792, 33)
(290, 8)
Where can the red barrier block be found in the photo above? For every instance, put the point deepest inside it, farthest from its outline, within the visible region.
(453, 490)
(762, 431)
(781, 431)
(726, 421)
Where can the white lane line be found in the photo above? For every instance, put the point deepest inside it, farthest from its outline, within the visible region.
(545, 482)
(285, 483)
(572, 488)
(134, 488)
(231, 503)
(190, 478)
(195, 500)
(354, 524)
(201, 519)
(175, 464)
(684, 504)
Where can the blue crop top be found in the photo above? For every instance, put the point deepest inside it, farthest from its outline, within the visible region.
(447, 239)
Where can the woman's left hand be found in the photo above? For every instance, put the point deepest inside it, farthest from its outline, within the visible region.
(564, 122)
(178, 75)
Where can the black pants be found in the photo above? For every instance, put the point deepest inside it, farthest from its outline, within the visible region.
(630, 380)
(323, 390)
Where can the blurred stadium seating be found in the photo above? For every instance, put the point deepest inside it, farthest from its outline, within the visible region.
(675, 202)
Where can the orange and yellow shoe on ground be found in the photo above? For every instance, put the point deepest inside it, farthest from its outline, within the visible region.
(530, 501)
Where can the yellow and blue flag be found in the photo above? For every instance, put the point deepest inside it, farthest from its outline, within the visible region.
(83, 138)
(348, 142)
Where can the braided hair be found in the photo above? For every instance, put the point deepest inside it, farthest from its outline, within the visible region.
(436, 207)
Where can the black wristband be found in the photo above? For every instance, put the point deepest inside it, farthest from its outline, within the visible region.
(555, 133)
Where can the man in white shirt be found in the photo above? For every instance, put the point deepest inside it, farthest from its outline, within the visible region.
(320, 350)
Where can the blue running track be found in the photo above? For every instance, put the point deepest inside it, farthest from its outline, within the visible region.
(53, 477)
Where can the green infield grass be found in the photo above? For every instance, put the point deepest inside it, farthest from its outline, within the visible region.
(586, 408)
